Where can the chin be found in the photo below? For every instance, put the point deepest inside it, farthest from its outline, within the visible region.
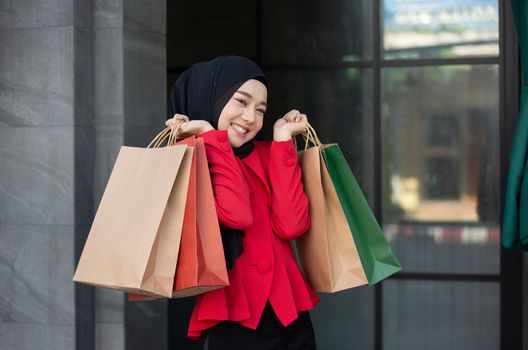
(236, 144)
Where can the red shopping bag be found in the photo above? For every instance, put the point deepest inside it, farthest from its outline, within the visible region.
(201, 264)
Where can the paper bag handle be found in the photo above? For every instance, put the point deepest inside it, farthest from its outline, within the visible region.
(309, 136)
(167, 133)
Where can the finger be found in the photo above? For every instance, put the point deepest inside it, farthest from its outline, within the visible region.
(298, 131)
(170, 123)
(181, 117)
(183, 127)
(290, 116)
(292, 112)
(298, 128)
(300, 117)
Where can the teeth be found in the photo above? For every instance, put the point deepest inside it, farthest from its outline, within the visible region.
(239, 128)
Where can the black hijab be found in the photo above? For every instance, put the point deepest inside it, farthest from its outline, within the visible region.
(201, 93)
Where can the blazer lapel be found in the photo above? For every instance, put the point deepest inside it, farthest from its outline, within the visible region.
(255, 165)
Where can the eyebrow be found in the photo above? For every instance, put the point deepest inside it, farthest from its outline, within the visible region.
(247, 94)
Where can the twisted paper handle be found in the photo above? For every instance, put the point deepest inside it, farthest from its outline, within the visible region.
(309, 136)
(169, 134)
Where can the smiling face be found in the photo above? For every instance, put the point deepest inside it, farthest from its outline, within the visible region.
(243, 114)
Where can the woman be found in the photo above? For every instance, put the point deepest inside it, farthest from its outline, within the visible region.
(259, 198)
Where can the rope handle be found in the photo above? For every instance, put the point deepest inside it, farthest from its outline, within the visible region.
(168, 134)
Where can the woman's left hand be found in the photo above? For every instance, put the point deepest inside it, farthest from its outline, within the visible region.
(289, 125)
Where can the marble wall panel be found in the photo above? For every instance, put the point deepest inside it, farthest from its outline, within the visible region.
(84, 299)
(108, 77)
(84, 154)
(146, 323)
(83, 13)
(108, 13)
(143, 17)
(145, 79)
(110, 305)
(36, 269)
(108, 142)
(83, 77)
(110, 320)
(6, 76)
(111, 336)
(141, 137)
(31, 336)
(36, 181)
(6, 18)
(39, 87)
(41, 13)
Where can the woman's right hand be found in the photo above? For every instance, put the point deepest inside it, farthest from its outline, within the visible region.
(188, 127)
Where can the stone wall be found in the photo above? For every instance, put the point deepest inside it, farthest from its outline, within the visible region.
(78, 79)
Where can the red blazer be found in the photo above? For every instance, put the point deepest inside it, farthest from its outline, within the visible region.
(263, 195)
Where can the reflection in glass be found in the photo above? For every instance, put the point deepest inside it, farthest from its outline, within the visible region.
(440, 142)
(316, 31)
(440, 167)
(446, 248)
(201, 31)
(345, 320)
(338, 105)
(440, 29)
(441, 315)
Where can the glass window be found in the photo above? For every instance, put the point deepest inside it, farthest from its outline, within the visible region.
(441, 315)
(440, 170)
(345, 320)
(446, 248)
(440, 29)
(202, 30)
(316, 31)
(440, 144)
(338, 105)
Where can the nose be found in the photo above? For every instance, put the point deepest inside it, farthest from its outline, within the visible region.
(249, 116)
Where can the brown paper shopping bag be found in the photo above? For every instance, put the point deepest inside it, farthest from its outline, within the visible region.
(134, 241)
(201, 265)
(327, 252)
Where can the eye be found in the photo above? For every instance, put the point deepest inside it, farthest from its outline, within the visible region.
(261, 111)
(241, 101)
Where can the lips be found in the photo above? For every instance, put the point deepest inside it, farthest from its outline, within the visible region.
(239, 129)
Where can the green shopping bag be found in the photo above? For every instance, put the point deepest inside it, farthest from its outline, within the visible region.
(377, 259)
(376, 256)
